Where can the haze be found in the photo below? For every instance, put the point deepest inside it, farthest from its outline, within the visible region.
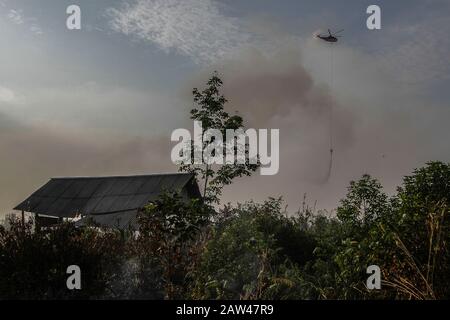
(104, 100)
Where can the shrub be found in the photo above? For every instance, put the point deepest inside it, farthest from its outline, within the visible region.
(33, 264)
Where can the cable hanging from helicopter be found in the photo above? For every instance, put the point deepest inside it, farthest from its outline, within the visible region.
(332, 38)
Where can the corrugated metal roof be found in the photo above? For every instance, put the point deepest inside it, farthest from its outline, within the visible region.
(66, 197)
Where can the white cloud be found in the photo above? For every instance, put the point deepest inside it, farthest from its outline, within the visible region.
(15, 16)
(36, 29)
(18, 18)
(194, 28)
(7, 95)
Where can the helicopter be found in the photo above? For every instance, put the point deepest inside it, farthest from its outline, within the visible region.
(331, 37)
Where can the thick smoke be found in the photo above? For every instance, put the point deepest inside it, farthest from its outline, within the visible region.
(375, 130)
(31, 155)
(278, 92)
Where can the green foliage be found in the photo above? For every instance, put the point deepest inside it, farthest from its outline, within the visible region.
(407, 236)
(422, 227)
(211, 113)
(33, 264)
(361, 212)
(363, 204)
(250, 251)
(165, 245)
(250, 255)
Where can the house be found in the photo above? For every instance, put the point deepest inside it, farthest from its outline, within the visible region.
(108, 201)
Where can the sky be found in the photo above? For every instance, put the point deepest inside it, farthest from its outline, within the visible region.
(104, 100)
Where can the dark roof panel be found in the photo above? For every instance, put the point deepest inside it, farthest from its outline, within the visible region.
(65, 197)
(150, 186)
(134, 186)
(91, 204)
(140, 200)
(104, 205)
(74, 189)
(90, 188)
(43, 205)
(103, 188)
(54, 188)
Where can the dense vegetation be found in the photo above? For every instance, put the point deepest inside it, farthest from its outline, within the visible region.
(191, 250)
(251, 251)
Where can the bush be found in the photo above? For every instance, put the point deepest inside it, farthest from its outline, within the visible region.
(186, 250)
(251, 256)
(167, 245)
(33, 264)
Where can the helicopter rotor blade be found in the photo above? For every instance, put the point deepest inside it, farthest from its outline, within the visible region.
(339, 31)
